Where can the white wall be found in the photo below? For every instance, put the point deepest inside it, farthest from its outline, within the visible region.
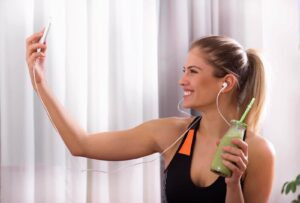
(281, 47)
(273, 27)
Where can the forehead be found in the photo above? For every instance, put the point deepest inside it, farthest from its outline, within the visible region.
(196, 58)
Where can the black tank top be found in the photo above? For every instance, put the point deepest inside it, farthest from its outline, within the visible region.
(178, 185)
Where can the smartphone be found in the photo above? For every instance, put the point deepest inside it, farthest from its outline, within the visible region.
(43, 39)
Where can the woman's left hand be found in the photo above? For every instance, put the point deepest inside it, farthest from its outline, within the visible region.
(236, 159)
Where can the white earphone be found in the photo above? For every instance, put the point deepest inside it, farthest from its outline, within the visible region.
(224, 85)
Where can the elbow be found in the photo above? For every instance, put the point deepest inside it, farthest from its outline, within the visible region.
(78, 148)
(77, 153)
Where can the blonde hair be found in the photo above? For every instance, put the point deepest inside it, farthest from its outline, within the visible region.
(228, 56)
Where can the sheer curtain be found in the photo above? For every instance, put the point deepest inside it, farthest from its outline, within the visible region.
(181, 22)
(102, 65)
(113, 64)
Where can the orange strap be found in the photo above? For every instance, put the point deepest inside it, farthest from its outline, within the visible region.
(187, 145)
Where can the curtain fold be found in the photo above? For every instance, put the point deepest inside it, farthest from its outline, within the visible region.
(102, 66)
(113, 64)
(180, 23)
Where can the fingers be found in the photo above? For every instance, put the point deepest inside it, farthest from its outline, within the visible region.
(242, 145)
(33, 57)
(238, 161)
(235, 170)
(236, 152)
(34, 38)
(32, 48)
(32, 44)
(236, 158)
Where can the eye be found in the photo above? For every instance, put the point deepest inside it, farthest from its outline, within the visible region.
(193, 71)
(190, 70)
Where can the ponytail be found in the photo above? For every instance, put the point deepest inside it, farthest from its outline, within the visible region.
(254, 87)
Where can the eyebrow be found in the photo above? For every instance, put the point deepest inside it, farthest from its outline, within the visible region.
(189, 67)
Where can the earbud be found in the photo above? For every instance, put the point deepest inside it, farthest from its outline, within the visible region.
(224, 85)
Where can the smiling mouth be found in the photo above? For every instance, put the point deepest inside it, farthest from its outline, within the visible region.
(187, 93)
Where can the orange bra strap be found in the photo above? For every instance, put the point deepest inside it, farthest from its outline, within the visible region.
(187, 145)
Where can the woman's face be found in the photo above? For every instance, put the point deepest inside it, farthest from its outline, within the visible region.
(199, 85)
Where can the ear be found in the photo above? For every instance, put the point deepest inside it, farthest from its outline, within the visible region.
(231, 81)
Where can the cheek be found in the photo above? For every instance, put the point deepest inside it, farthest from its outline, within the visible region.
(204, 85)
(207, 88)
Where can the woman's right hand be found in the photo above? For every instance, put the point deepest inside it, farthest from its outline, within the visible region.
(35, 60)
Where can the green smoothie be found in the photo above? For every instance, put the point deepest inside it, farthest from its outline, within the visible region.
(236, 130)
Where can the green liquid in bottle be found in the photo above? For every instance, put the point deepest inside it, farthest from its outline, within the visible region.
(236, 130)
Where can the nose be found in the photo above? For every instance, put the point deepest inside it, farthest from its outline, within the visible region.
(183, 80)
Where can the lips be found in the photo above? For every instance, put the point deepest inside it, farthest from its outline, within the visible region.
(187, 93)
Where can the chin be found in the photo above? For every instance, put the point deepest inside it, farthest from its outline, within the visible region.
(187, 105)
(191, 106)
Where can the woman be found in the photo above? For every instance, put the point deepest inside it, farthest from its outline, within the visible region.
(215, 65)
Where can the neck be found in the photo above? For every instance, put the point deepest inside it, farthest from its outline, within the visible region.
(212, 124)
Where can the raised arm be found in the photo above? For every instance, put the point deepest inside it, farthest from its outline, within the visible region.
(71, 133)
(147, 138)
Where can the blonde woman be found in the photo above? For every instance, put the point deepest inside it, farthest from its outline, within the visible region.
(211, 63)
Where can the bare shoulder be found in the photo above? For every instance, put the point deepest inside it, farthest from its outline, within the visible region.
(169, 124)
(260, 171)
(166, 130)
(259, 146)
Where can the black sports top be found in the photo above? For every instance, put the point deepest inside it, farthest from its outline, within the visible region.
(178, 185)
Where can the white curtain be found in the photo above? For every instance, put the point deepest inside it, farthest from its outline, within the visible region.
(114, 64)
(102, 65)
(180, 23)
